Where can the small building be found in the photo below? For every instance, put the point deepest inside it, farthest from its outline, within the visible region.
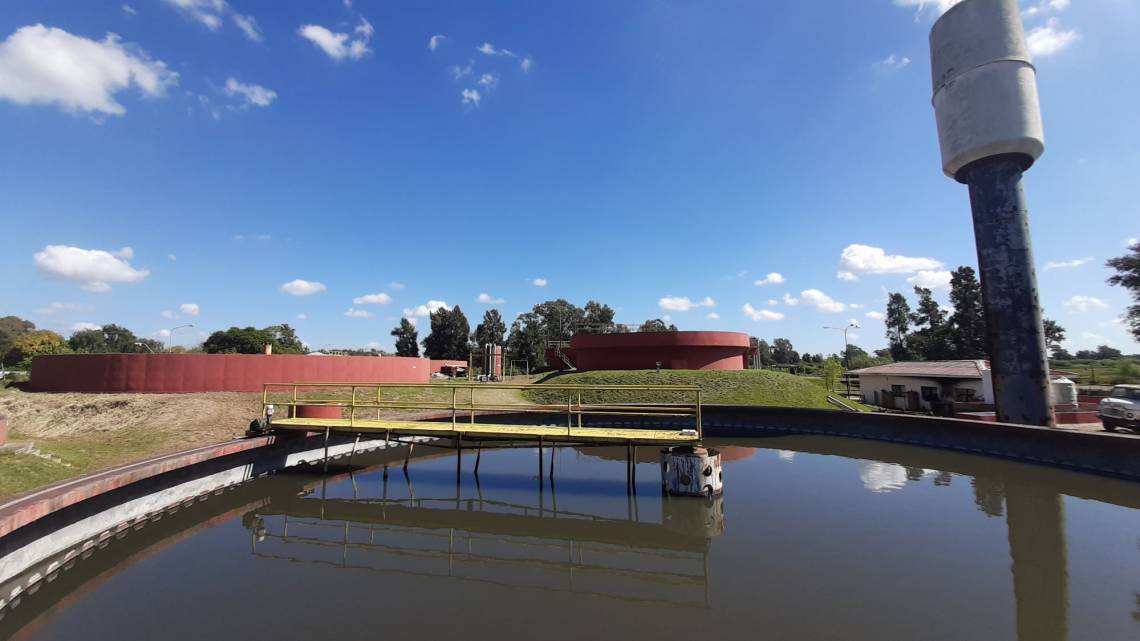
(925, 385)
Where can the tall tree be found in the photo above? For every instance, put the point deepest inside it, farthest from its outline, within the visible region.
(656, 325)
(968, 324)
(491, 330)
(764, 350)
(599, 318)
(1128, 276)
(449, 332)
(10, 328)
(783, 352)
(111, 339)
(1054, 336)
(898, 326)
(407, 339)
(526, 342)
(284, 339)
(930, 340)
(34, 343)
(559, 319)
(237, 340)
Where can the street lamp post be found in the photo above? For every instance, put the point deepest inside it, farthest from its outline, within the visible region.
(171, 334)
(846, 354)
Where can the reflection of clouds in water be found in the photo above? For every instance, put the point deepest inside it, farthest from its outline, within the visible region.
(882, 477)
(786, 455)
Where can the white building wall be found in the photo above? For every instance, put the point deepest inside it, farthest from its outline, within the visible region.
(871, 383)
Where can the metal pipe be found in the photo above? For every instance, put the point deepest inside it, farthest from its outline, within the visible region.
(1015, 336)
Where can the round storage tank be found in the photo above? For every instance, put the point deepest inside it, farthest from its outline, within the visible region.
(1064, 392)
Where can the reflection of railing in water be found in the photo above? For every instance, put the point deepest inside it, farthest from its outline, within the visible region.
(558, 551)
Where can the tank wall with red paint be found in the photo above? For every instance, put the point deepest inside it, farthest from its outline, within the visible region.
(214, 372)
(643, 350)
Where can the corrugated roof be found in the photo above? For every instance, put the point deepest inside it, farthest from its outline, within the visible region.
(933, 369)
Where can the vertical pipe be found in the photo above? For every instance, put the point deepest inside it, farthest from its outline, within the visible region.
(1015, 337)
(326, 468)
(454, 390)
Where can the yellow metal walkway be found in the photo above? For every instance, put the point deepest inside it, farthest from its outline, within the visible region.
(360, 406)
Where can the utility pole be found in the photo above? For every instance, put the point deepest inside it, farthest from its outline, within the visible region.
(846, 353)
(990, 131)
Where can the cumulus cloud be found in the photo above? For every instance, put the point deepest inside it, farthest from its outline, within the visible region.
(488, 81)
(525, 64)
(93, 269)
(358, 313)
(489, 49)
(874, 315)
(683, 304)
(470, 97)
(379, 298)
(248, 26)
(339, 46)
(760, 314)
(930, 279)
(938, 6)
(712, 316)
(46, 65)
(487, 299)
(84, 326)
(59, 308)
(859, 259)
(539, 282)
(772, 302)
(822, 301)
(302, 316)
(421, 311)
(250, 94)
(434, 41)
(790, 300)
(396, 285)
(1082, 304)
(773, 278)
(1066, 264)
(190, 309)
(300, 287)
(846, 276)
(168, 314)
(207, 12)
(128, 9)
(1049, 39)
(891, 63)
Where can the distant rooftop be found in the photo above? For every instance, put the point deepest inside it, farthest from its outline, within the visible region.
(932, 369)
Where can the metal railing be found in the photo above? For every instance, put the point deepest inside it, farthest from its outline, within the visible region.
(463, 400)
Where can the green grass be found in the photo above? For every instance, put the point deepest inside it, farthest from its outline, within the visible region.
(747, 387)
(23, 472)
(1104, 372)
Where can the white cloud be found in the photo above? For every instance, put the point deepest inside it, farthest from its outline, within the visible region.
(93, 269)
(339, 46)
(487, 299)
(168, 315)
(302, 316)
(930, 279)
(1064, 264)
(56, 308)
(772, 302)
(683, 304)
(162, 333)
(248, 26)
(470, 97)
(379, 298)
(458, 72)
(434, 41)
(396, 285)
(1049, 39)
(84, 326)
(874, 315)
(856, 305)
(1082, 304)
(891, 63)
(667, 318)
(525, 64)
(421, 311)
(1095, 339)
(190, 309)
(42, 65)
(250, 95)
(938, 5)
(487, 49)
(864, 259)
(822, 301)
(488, 81)
(712, 316)
(539, 282)
(358, 313)
(301, 287)
(1131, 241)
(760, 314)
(846, 276)
(207, 12)
(773, 278)
(129, 10)
(789, 300)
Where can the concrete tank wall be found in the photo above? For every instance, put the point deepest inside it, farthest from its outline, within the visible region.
(643, 350)
(213, 372)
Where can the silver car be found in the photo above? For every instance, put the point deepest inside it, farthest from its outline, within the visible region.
(1121, 408)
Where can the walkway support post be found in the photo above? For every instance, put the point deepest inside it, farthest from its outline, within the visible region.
(990, 131)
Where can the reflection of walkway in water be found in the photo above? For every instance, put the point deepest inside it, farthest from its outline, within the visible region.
(500, 542)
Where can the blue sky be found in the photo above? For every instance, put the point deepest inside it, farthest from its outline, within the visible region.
(246, 162)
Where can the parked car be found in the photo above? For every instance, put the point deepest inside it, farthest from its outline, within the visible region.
(1121, 408)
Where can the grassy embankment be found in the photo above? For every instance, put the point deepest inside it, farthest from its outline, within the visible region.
(748, 387)
(1103, 372)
